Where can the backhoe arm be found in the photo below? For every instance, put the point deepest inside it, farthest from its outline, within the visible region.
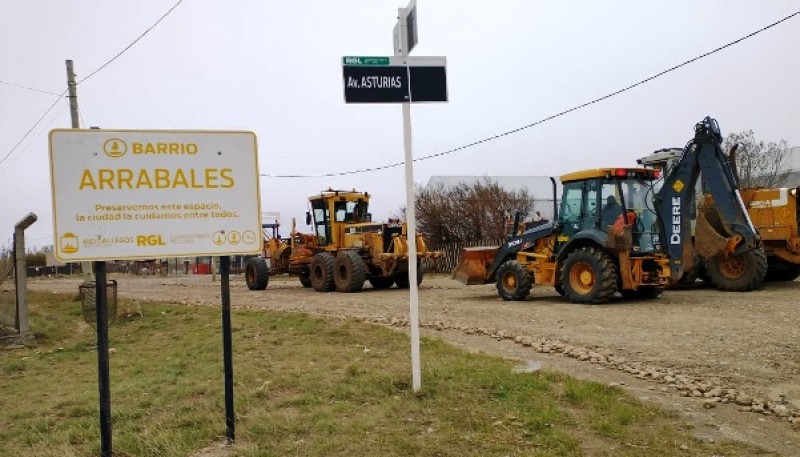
(673, 202)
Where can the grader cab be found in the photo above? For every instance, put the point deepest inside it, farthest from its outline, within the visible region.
(345, 249)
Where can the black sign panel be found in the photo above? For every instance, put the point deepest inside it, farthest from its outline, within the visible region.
(390, 84)
(428, 84)
(375, 84)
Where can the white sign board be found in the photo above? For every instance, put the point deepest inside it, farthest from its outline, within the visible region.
(142, 194)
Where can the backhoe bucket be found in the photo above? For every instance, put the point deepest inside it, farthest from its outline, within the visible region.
(473, 264)
(711, 237)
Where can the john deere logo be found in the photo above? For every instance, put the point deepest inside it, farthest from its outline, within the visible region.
(678, 186)
(115, 147)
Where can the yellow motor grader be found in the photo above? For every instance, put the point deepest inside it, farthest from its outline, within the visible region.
(345, 249)
(615, 233)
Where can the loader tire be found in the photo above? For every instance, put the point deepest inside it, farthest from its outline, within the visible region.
(349, 272)
(642, 293)
(401, 279)
(322, 272)
(256, 274)
(381, 282)
(738, 273)
(514, 281)
(589, 276)
(305, 280)
(782, 271)
(560, 289)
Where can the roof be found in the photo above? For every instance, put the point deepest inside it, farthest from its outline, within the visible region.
(601, 173)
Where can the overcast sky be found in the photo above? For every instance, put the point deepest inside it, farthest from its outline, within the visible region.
(275, 68)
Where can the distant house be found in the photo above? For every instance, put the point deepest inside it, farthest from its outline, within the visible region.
(540, 187)
(792, 175)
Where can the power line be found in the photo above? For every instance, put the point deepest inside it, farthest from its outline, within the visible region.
(548, 118)
(100, 68)
(20, 86)
(125, 49)
(8, 154)
(41, 130)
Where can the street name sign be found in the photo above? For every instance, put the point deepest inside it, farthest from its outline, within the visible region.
(142, 194)
(394, 79)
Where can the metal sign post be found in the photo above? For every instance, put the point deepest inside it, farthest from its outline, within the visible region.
(227, 346)
(413, 288)
(103, 378)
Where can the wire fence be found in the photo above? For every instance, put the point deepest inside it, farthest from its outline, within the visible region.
(452, 252)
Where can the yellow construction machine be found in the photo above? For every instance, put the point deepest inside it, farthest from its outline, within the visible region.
(614, 233)
(774, 212)
(345, 249)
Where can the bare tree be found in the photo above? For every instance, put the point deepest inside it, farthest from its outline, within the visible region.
(759, 164)
(468, 212)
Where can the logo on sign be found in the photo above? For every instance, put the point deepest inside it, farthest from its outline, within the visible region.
(69, 243)
(115, 147)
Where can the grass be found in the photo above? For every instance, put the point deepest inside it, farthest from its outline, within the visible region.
(305, 386)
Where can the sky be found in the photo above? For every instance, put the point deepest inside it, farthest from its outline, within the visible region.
(274, 68)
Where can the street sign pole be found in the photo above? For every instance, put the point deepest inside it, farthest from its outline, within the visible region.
(416, 371)
(103, 378)
(227, 347)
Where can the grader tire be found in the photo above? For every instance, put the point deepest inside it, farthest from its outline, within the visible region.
(589, 276)
(349, 272)
(739, 273)
(256, 274)
(401, 279)
(305, 280)
(322, 272)
(381, 282)
(514, 281)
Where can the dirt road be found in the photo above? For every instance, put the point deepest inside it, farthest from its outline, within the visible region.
(730, 362)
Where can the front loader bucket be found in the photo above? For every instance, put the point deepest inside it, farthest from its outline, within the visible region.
(473, 264)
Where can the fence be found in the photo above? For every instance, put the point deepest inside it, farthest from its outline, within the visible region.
(452, 251)
(8, 298)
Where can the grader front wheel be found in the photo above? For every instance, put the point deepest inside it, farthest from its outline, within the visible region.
(589, 276)
(322, 272)
(349, 272)
(256, 274)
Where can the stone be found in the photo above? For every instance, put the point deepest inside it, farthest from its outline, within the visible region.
(744, 400)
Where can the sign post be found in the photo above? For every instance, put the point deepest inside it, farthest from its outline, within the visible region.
(411, 218)
(405, 80)
(139, 194)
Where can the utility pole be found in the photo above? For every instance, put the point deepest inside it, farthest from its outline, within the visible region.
(72, 87)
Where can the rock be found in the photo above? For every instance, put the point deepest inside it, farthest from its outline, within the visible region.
(696, 393)
(710, 403)
(744, 400)
(757, 408)
(780, 410)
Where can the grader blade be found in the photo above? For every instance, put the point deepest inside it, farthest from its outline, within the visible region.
(473, 264)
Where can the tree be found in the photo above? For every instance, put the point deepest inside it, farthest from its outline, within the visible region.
(758, 164)
(468, 212)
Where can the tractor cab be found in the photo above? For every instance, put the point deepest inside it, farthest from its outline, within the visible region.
(607, 200)
(332, 209)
